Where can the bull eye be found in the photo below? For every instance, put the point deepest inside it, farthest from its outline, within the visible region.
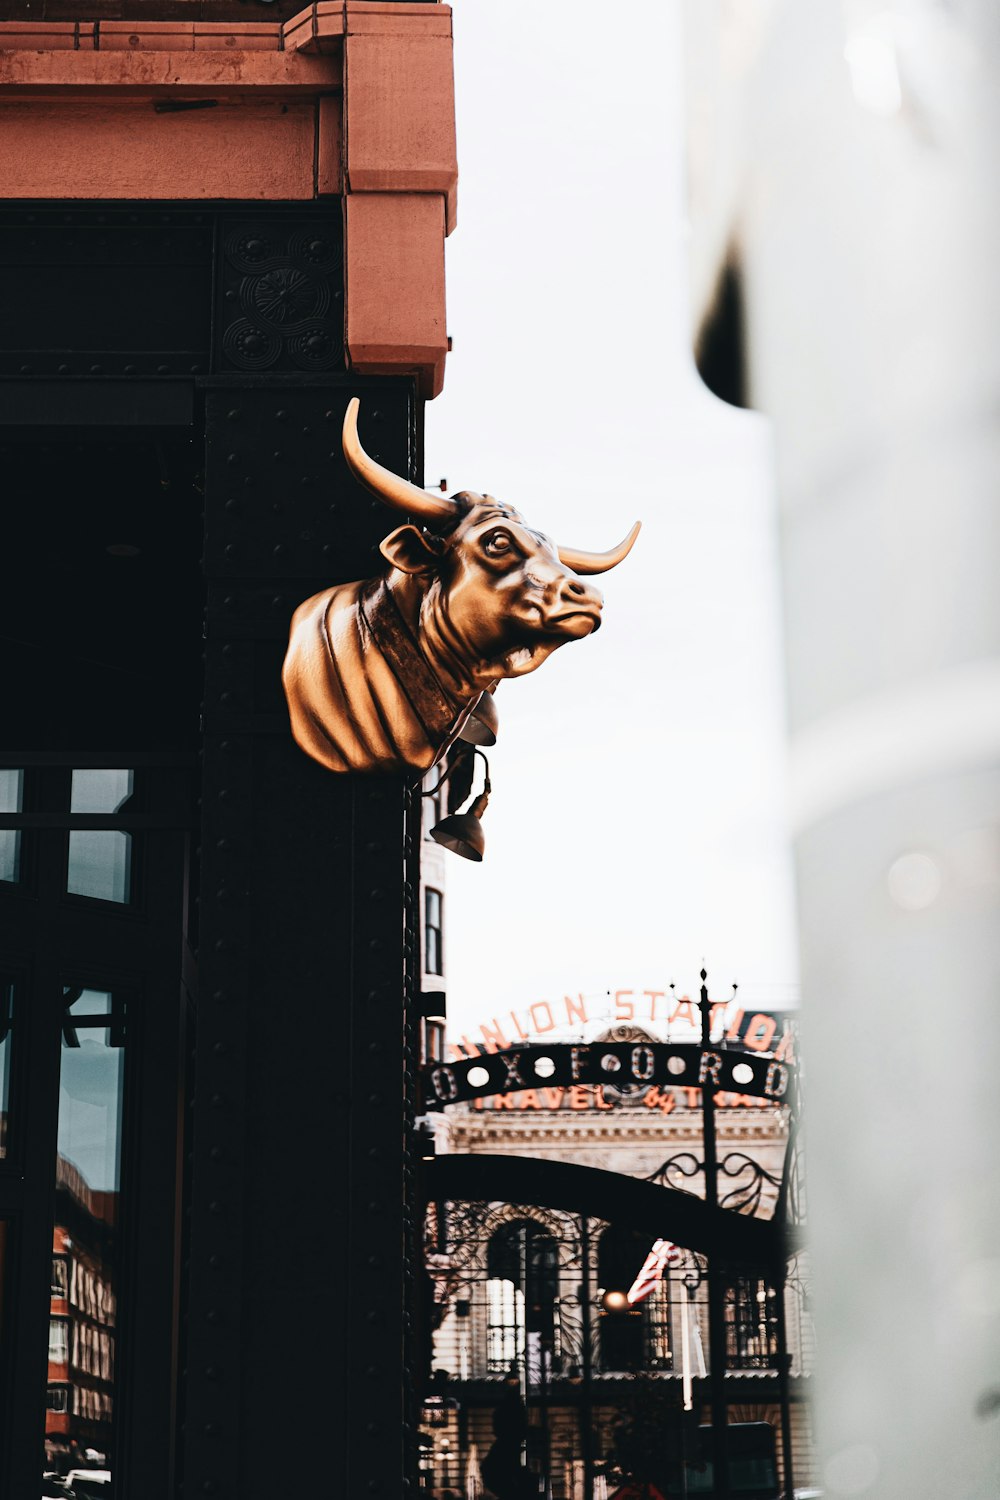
(497, 544)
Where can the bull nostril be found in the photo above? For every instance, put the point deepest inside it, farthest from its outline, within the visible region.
(575, 587)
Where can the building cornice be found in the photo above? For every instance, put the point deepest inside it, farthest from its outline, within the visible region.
(351, 100)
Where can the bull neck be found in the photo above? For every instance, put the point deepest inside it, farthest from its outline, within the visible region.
(436, 641)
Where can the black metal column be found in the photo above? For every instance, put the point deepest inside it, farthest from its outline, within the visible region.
(784, 1395)
(587, 1365)
(296, 1283)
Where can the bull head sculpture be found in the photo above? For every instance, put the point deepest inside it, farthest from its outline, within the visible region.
(381, 675)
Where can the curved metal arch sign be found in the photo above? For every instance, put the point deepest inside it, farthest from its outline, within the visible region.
(614, 1064)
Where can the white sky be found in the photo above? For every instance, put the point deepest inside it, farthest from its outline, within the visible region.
(637, 824)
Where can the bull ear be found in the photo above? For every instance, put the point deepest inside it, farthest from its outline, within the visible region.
(410, 550)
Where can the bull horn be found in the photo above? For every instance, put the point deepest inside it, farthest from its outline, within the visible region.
(386, 485)
(599, 562)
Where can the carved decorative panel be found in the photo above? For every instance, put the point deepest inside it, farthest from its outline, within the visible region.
(281, 303)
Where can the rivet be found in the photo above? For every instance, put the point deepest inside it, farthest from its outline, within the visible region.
(64, 369)
(279, 550)
(216, 1153)
(211, 1372)
(130, 369)
(215, 1261)
(212, 1316)
(233, 415)
(163, 369)
(231, 549)
(210, 1429)
(217, 1101)
(215, 1207)
(220, 1049)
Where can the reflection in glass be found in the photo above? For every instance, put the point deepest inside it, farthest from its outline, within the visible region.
(11, 801)
(82, 1319)
(6, 1015)
(100, 860)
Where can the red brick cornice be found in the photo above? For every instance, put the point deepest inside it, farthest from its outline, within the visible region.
(352, 97)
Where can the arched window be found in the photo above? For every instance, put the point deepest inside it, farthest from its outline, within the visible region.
(639, 1339)
(522, 1288)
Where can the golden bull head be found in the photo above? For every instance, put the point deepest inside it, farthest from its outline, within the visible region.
(381, 675)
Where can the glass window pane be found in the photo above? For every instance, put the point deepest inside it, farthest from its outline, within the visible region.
(100, 860)
(100, 791)
(82, 1327)
(100, 864)
(11, 801)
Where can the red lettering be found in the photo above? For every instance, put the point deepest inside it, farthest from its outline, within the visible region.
(542, 1005)
(553, 1097)
(652, 996)
(494, 1037)
(785, 1050)
(600, 1100)
(760, 1033)
(579, 1096)
(624, 1009)
(683, 1010)
(528, 1099)
(576, 1010)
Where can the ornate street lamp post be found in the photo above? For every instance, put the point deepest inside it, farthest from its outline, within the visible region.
(716, 1279)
